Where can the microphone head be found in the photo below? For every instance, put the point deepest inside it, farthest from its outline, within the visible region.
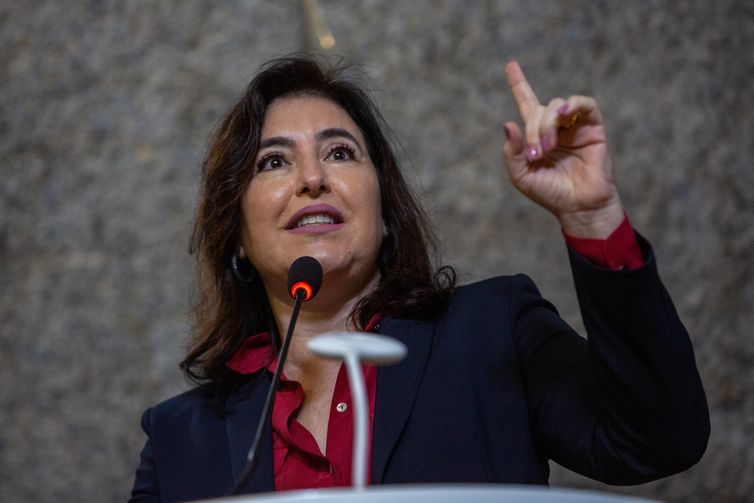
(305, 275)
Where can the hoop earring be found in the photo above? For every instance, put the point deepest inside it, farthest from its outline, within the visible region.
(235, 267)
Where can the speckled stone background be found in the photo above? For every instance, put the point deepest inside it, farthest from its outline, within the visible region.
(106, 108)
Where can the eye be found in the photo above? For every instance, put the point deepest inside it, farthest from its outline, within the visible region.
(271, 160)
(341, 152)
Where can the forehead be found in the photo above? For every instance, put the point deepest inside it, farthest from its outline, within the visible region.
(306, 114)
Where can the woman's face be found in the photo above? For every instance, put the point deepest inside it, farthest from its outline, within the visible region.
(314, 192)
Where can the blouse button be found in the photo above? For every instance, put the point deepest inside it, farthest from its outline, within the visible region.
(341, 407)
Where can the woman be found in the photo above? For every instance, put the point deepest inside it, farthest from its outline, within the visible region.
(495, 383)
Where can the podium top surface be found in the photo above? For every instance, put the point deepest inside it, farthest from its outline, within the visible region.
(449, 493)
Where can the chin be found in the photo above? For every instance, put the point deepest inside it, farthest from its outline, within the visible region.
(330, 264)
(346, 266)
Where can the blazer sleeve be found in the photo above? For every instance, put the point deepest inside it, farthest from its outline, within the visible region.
(626, 405)
(145, 487)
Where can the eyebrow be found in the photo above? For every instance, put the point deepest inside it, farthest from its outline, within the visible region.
(335, 132)
(281, 141)
(325, 134)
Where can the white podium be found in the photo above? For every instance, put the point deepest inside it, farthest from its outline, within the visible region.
(438, 493)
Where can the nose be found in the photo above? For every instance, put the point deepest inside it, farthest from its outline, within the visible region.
(312, 178)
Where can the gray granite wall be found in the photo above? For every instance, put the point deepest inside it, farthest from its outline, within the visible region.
(106, 108)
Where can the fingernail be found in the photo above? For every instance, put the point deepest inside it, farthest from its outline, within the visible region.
(546, 144)
(507, 131)
(533, 152)
(563, 109)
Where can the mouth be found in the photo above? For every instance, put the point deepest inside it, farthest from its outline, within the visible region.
(317, 215)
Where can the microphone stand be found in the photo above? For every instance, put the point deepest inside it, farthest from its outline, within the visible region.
(355, 348)
(268, 403)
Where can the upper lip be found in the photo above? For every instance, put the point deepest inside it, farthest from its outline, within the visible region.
(315, 209)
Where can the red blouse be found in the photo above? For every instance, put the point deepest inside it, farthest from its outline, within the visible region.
(298, 462)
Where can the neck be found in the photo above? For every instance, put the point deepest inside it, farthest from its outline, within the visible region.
(328, 312)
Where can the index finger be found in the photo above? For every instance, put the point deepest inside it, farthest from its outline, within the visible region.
(521, 90)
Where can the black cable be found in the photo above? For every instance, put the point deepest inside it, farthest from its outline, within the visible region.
(269, 401)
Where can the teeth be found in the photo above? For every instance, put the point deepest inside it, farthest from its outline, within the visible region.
(319, 218)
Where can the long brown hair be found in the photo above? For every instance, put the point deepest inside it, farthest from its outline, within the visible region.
(228, 311)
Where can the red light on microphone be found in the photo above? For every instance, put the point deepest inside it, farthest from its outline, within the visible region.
(302, 285)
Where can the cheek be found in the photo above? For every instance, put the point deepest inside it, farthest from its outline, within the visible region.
(258, 207)
(377, 204)
(373, 197)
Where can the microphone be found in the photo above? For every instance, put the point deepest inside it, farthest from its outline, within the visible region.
(304, 277)
(304, 281)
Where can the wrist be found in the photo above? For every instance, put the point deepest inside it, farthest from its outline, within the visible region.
(597, 223)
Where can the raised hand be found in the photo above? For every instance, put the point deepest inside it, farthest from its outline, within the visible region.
(561, 161)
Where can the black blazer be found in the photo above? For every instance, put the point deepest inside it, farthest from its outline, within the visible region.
(489, 392)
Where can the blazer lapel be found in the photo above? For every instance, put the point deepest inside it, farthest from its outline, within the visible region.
(397, 386)
(240, 425)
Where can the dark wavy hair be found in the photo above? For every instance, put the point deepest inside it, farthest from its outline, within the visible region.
(228, 311)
